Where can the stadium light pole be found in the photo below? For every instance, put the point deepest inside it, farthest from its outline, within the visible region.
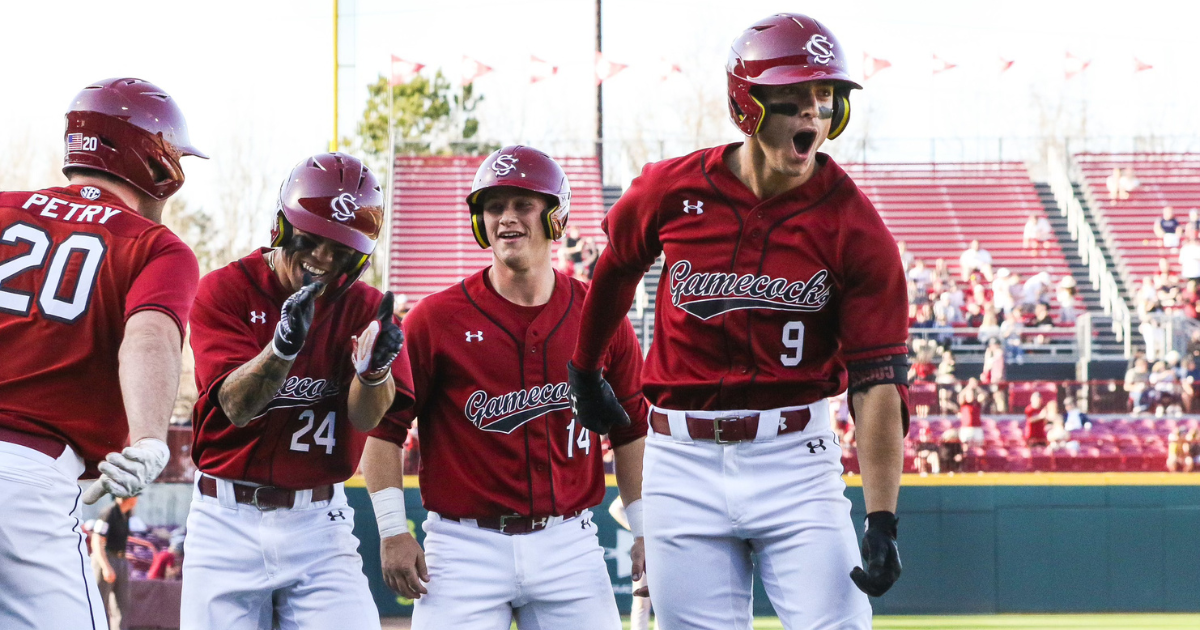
(333, 142)
(599, 100)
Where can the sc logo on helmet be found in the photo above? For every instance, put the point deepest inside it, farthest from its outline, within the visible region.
(505, 164)
(820, 48)
(343, 207)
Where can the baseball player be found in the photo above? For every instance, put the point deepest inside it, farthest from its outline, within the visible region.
(506, 474)
(294, 364)
(94, 295)
(781, 286)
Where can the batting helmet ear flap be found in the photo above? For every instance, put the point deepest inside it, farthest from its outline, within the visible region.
(841, 112)
(281, 231)
(479, 230)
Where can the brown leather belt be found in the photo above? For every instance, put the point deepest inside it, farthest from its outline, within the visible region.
(514, 524)
(265, 498)
(730, 429)
(52, 447)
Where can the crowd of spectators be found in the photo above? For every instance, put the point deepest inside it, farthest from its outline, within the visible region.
(1168, 294)
(578, 255)
(998, 310)
(1120, 184)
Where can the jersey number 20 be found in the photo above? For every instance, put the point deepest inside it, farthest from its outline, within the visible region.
(51, 305)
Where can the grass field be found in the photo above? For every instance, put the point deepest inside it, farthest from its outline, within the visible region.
(1018, 622)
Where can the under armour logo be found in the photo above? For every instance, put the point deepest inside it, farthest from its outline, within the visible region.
(505, 164)
(587, 522)
(343, 207)
(688, 206)
(89, 192)
(539, 522)
(257, 317)
(820, 48)
(333, 516)
(474, 336)
(812, 448)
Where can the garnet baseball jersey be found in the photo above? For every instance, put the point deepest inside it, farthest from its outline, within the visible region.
(497, 436)
(75, 264)
(761, 303)
(303, 438)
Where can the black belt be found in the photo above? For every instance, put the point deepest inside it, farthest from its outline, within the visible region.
(265, 498)
(514, 524)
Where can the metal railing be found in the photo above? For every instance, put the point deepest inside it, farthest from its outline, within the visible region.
(1102, 279)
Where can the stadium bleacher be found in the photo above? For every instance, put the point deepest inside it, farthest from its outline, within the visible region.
(939, 208)
(1164, 179)
(430, 235)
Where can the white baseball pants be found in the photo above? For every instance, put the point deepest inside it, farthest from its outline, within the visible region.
(297, 569)
(46, 580)
(710, 507)
(481, 579)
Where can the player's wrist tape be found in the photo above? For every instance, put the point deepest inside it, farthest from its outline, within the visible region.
(634, 514)
(285, 357)
(389, 512)
(376, 383)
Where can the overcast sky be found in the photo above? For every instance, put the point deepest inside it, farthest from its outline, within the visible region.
(256, 75)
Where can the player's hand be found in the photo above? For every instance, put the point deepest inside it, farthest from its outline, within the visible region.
(295, 318)
(108, 574)
(403, 563)
(880, 555)
(593, 402)
(638, 554)
(127, 473)
(377, 347)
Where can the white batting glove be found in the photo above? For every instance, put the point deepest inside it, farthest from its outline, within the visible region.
(127, 473)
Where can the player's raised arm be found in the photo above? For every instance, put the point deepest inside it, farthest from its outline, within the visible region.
(372, 352)
(401, 557)
(246, 392)
(633, 246)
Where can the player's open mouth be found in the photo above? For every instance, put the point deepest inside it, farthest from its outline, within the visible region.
(803, 141)
(316, 273)
(510, 236)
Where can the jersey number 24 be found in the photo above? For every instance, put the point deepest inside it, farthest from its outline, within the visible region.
(323, 436)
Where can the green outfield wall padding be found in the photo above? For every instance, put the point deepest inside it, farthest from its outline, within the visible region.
(973, 549)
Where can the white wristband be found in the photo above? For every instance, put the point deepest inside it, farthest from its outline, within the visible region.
(389, 512)
(282, 355)
(633, 512)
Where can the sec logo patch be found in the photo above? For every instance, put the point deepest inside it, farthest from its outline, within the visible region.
(90, 193)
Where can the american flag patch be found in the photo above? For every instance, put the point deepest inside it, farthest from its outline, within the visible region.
(74, 142)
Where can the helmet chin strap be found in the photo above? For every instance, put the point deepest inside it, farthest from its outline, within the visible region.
(792, 109)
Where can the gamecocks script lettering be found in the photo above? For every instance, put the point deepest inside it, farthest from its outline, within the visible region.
(506, 412)
(718, 293)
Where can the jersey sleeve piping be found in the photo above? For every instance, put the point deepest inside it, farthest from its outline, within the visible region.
(164, 310)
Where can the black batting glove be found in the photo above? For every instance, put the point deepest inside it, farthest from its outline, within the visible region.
(593, 403)
(295, 319)
(377, 347)
(880, 555)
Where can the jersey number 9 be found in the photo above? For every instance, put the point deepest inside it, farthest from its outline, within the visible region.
(793, 339)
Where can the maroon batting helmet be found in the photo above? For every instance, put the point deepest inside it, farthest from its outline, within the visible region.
(131, 129)
(522, 167)
(783, 49)
(336, 196)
